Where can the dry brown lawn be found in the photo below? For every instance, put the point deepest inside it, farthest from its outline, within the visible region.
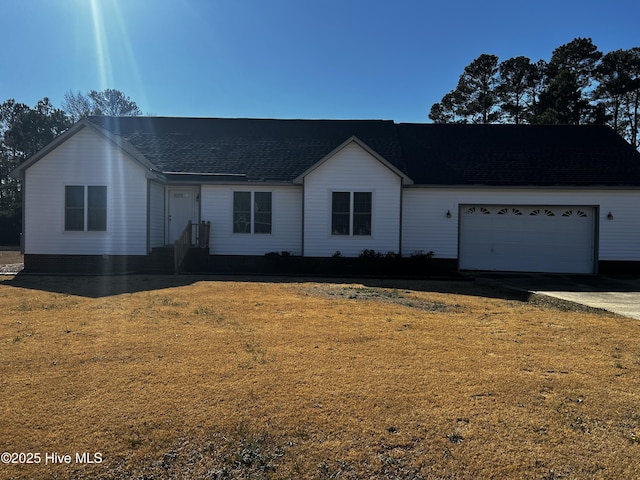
(196, 377)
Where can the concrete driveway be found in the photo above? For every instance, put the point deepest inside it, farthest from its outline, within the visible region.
(616, 294)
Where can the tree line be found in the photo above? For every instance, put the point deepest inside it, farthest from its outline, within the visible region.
(578, 85)
(25, 130)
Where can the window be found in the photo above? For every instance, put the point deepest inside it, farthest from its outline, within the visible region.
(74, 208)
(94, 217)
(362, 213)
(262, 212)
(252, 212)
(340, 213)
(241, 212)
(351, 213)
(96, 209)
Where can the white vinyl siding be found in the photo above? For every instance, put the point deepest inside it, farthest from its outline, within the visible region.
(86, 159)
(286, 220)
(156, 214)
(351, 169)
(427, 228)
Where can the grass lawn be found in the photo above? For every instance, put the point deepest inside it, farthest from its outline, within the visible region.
(197, 377)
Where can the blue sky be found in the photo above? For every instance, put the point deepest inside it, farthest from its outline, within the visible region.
(284, 58)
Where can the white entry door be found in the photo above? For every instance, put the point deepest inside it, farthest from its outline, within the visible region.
(182, 208)
(545, 238)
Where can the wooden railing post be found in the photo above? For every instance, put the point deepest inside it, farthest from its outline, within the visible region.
(182, 245)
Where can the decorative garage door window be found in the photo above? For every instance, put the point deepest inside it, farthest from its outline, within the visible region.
(577, 213)
(478, 211)
(531, 211)
(539, 211)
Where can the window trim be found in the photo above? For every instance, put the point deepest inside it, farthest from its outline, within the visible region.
(352, 213)
(252, 213)
(88, 209)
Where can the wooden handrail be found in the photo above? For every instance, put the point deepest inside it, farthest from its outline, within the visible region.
(188, 240)
(181, 247)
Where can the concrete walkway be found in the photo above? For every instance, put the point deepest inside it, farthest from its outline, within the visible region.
(615, 294)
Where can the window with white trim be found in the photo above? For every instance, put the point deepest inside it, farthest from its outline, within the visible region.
(252, 212)
(85, 208)
(351, 213)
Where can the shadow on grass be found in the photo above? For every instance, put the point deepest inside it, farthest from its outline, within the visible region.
(106, 286)
(97, 286)
(563, 282)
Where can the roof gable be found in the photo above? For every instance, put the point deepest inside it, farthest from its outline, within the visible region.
(353, 140)
(75, 129)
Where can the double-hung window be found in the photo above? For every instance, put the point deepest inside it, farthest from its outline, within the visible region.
(351, 213)
(252, 212)
(85, 208)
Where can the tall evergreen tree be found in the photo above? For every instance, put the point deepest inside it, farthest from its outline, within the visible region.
(618, 91)
(517, 88)
(449, 109)
(475, 99)
(477, 89)
(561, 101)
(569, 77)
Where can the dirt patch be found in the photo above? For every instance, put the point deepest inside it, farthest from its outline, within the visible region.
(389, 295)
(412, 299)
(565, 305)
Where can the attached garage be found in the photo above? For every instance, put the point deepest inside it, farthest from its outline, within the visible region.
(532, 238)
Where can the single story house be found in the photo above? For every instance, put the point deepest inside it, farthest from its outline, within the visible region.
(481, 197)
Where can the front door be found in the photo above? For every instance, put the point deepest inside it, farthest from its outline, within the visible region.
(183, 207)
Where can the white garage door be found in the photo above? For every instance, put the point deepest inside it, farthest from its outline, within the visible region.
(559, 239)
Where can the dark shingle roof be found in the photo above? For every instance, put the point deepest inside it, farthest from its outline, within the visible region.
(518, 155)
(261, 149)
(435, 154)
